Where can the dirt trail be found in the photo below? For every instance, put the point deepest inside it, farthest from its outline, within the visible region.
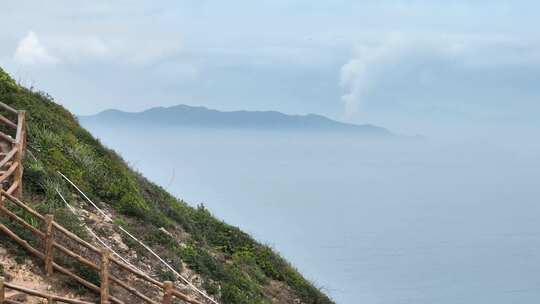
(27, 275)
(24, 275)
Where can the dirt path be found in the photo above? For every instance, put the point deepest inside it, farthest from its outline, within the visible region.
(27, 275)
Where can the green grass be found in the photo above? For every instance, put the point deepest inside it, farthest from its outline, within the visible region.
(233, 265)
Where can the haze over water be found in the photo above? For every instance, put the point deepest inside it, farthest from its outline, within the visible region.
(369, 221)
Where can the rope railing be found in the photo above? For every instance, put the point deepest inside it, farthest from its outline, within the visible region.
(146, 247)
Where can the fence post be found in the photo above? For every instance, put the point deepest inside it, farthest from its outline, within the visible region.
(17, 178)
(49, 218)
(21, 122)
(50, 300)
(23, 136)
(2, 290)
(167, 292)
(104, 276)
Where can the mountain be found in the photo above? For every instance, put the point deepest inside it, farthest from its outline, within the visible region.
(201, 117)
(220, 259)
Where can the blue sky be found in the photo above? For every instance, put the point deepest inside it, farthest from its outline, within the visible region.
(425, 67)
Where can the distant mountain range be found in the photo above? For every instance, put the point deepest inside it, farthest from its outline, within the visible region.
(201, 117)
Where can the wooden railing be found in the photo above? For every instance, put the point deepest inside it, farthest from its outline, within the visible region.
(50, 298)
(55, 240)
(57, 243)
(12, 150)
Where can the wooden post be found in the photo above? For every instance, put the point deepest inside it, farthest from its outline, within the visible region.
(21, 134)
(2, 291)
(49, 218)
(50, 300)
(167, 292)
(17, 178)
(104, 276)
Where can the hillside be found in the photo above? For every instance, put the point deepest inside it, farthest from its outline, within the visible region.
(201, 117)
(227, 263)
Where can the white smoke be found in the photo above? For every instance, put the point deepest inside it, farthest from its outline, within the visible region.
(372, 62)
(360, 74)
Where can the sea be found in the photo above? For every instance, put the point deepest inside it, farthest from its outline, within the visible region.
(373, 221)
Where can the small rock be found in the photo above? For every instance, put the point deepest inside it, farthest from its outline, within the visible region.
(118, 241)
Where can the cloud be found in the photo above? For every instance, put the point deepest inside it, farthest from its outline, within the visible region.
(59, 49)
(134, 52)
(75, 48)
(30, 51)
(128, 49)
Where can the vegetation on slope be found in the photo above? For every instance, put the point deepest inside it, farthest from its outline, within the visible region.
(234, 267)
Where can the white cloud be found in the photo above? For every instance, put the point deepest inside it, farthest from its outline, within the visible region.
(30, 51)
(135, 52)
(59, 48)
(75, 48)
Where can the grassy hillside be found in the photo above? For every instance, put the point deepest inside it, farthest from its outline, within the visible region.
(233, 266)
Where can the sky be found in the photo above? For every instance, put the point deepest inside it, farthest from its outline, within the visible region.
(414, 66)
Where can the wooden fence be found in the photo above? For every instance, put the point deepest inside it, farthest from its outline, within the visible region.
(55, 240)
(12, 151)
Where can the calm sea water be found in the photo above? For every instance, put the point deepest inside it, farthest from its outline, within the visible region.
(368, 221)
